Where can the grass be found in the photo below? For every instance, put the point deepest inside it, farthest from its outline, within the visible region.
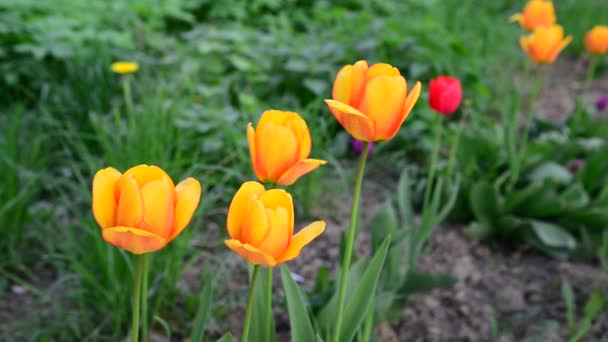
(200, 83)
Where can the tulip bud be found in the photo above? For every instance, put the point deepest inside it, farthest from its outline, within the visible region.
(141, 211)
(445, 94)
(602, 103)
(536, 13)
(357, 146)
(545, 43)
(279, 148)
(260, 224)
(596, 40)
(371, 103)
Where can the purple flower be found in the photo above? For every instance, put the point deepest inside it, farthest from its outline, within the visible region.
(602, 103)
(357, 146)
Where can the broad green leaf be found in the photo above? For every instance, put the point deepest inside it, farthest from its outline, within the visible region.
(299, 321)
(383, 223)
(552, 171)
(553, 235)
(575, 196)
(568, 296)
(485, 202)
(257, 330)
(594, 305)
(404, 200)
(361, 299)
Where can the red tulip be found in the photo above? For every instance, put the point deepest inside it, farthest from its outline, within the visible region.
(445, 94)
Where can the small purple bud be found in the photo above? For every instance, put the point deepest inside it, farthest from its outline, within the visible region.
(602, 103)
(357, 146)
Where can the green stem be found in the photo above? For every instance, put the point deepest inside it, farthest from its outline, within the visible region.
(136, 298)
(352, 231)
(254, 277)
(126, 87)
(456, 141)
(268, 302)
(590, 74)
(434, 157)
(144, 299)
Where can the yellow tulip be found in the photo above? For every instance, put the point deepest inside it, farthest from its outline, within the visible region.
(536, 13)
(141, 210)
(124, 67)
(371, 103)
(596, 40)
(545, 43)
(279, 148)
(260, 224)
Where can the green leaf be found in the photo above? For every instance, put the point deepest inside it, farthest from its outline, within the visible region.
(227, 337)
(299, 320)
(257, 330)
(553, 235)
(485, 202)
(404, 199)
(568, 296)
(419, 282)
(552, 171)
(202, 313)
(575, 197)
(594, 305)
(360, 301)
(383, 223)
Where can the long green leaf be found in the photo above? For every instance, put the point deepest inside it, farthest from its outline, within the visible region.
(299, 321)
(360, 301)
(202, 314)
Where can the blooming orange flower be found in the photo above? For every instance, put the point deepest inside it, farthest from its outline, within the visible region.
(596, 40)
(260, 224)
(371, 103)
(124, 67)
(141, 210)
(545, 43)
(279, 148)
(537, 13)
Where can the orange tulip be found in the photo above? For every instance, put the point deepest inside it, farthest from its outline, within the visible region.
(260, 224)
(371, 103)
(545, 43)
(596, 40)
(537, 13)
(141, 210)
(279, 148)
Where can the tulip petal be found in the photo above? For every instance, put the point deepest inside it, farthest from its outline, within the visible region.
(277, 117)
(239, 205)
(255, 225)
(144, 174)
(383, 103)
(134, 240)
(158, 208)
(277, 150)
(301, 239)
(130, 211)
(301, 168)
(354, 122)
(252, 153)
(381, 69)
(278, 198)
(104, 202)
(188, 197)
(279, 232)
(300, 130)
(350, 84)
(250, 253)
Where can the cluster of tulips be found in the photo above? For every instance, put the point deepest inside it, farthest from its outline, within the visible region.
(142, 210)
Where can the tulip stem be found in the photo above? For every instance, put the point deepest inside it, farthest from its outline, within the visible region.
(456, 143)
(254, 277)
(352, 230)
(268, 302)
(434, 157)
(144, 299)
(136, 298)
(590, 74)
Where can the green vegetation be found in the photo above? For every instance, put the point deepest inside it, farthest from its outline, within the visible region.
(207, 68)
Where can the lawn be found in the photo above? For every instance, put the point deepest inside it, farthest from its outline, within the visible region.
(483, 217)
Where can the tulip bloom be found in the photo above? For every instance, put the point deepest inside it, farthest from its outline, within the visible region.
(537, 13)
(445, 94)
(124, 67)
(596, 40)
(545, 43)
(371, 103)
(279, 148)
(141, 210)
(260, 224)
(602, 103)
